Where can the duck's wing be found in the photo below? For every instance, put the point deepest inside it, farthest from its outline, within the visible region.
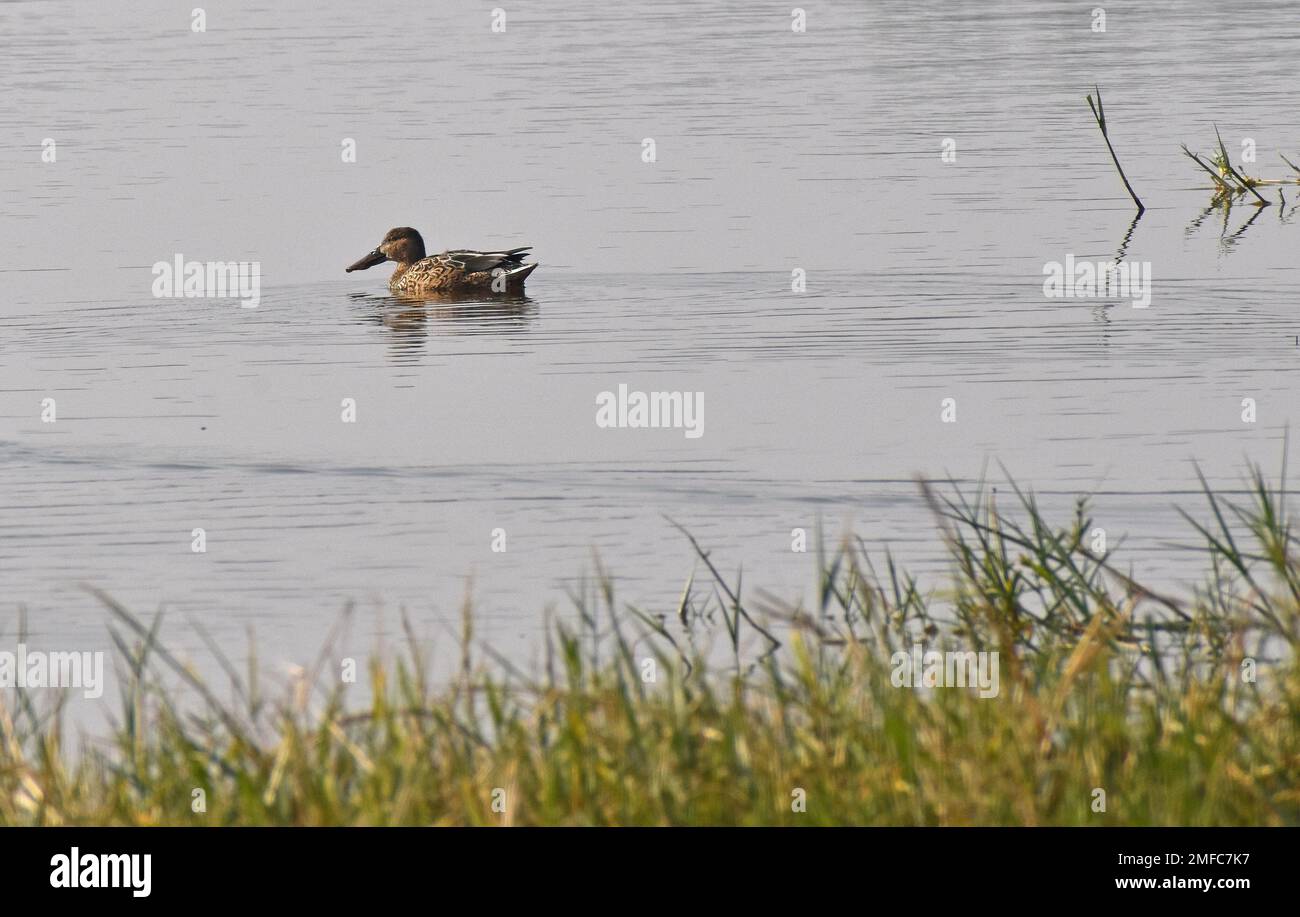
(472, 262)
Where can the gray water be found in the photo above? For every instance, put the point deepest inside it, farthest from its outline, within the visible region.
(775, 151)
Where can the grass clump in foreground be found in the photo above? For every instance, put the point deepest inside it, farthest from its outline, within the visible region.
(1183, 712)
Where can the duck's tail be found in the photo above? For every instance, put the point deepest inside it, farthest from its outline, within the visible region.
(515, 279)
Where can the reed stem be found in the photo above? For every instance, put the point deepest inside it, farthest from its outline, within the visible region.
(1099, 113)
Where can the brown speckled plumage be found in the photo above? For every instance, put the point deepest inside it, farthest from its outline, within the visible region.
(448, 272)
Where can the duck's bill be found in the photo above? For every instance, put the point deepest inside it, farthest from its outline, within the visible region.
(370, 260)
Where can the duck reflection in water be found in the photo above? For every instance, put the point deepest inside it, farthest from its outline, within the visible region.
(410, 319)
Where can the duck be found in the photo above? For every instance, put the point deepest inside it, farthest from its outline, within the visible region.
(454, 271)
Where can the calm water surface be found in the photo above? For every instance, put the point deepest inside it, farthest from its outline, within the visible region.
(775, 151)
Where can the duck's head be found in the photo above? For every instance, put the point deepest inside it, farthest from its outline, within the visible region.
(402, 245)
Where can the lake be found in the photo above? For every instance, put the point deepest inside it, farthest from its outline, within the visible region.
(853, 308)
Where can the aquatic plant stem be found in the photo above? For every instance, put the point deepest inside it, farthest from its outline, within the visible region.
(1099, 113)
(1223, 186)
(1241, 179)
